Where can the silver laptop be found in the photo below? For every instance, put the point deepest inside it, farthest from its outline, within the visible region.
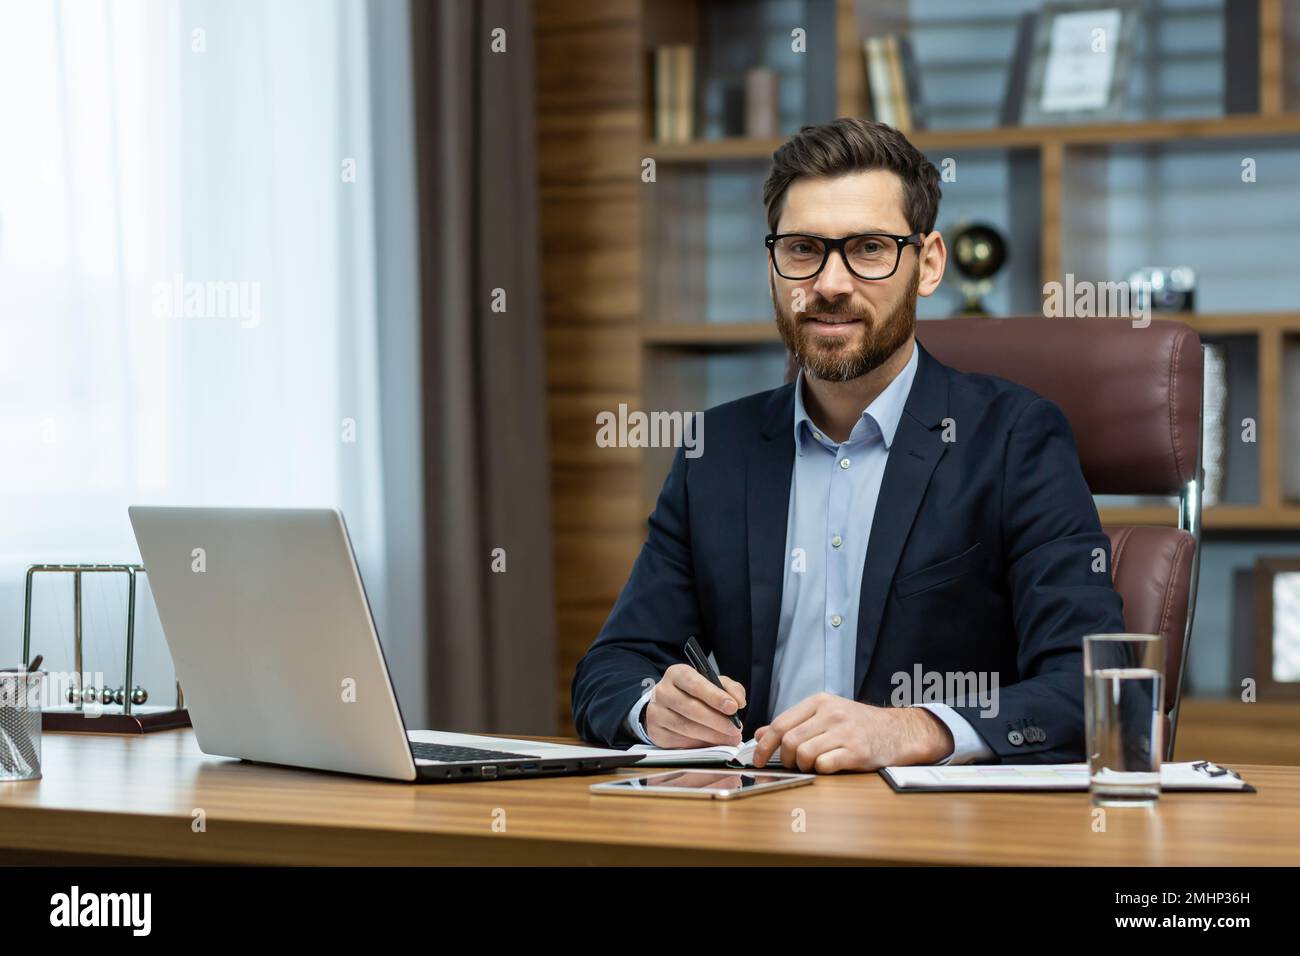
(270, 631)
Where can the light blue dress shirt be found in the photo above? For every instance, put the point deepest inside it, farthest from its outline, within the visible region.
(833, 494)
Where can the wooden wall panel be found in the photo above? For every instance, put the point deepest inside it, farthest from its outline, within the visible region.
(601, 358)
(589, 142)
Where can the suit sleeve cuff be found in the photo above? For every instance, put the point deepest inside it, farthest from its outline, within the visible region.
(968, 746)
(633, 719)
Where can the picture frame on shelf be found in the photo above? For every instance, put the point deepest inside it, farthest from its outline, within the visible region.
(1277, 627)
(1079, 64)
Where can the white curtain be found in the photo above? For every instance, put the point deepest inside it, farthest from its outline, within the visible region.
(187, 279)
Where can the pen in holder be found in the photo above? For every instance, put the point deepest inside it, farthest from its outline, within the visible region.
(105, 710)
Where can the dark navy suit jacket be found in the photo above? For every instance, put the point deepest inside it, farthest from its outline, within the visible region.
(983, 556)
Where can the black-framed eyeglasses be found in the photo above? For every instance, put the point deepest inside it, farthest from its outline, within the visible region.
(871, 255)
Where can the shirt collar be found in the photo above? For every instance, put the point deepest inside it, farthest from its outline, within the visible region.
(885, 411)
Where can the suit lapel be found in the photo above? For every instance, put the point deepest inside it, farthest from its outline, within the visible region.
(767, 502)
(918, 446)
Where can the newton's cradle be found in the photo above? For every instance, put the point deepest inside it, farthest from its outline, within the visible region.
(123, 709)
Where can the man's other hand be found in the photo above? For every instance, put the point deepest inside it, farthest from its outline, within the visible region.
(826, 734)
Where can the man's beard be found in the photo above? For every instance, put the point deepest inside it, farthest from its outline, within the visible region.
(833, 360)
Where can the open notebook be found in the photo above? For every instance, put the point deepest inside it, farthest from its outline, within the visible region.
(1200, 775)
(741, 755)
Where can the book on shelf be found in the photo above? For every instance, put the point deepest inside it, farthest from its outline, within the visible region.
(897, 87)
(918, 116)
(663, 93)
(684, 93)
(762, 103)
(674, 106)
(894, 82)
(882, 105)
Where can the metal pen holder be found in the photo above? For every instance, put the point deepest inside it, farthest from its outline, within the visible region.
(128, 696)
(20, 725)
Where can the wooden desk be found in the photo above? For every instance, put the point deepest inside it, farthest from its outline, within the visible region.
(110, 798)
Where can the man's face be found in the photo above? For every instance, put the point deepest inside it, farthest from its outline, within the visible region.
(837, 326)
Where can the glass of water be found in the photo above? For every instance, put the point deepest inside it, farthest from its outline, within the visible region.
(1123, 683)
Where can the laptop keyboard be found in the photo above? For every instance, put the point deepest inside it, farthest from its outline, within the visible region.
(446, 753)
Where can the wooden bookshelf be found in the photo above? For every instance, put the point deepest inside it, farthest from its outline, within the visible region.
(1071, 171)
(1015, 137)
(624, 324)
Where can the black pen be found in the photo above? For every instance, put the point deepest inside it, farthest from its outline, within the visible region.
(695, 654)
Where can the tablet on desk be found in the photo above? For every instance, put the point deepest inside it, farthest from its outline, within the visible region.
(706, 784)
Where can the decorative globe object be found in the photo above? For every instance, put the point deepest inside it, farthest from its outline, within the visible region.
(979, 252)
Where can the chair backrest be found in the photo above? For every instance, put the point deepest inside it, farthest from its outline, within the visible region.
(1132, 395)
(1133, 400)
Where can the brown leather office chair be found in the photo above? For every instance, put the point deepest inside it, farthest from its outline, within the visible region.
(1133, 399)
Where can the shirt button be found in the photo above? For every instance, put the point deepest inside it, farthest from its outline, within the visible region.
(817, 435)
(836, 620)
(836, 541)
(844, 463)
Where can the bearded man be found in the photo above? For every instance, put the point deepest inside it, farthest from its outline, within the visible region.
(882, 516)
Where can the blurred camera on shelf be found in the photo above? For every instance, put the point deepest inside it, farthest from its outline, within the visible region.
(1171, 288)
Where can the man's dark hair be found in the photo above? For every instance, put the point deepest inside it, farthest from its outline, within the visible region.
(849, 145)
